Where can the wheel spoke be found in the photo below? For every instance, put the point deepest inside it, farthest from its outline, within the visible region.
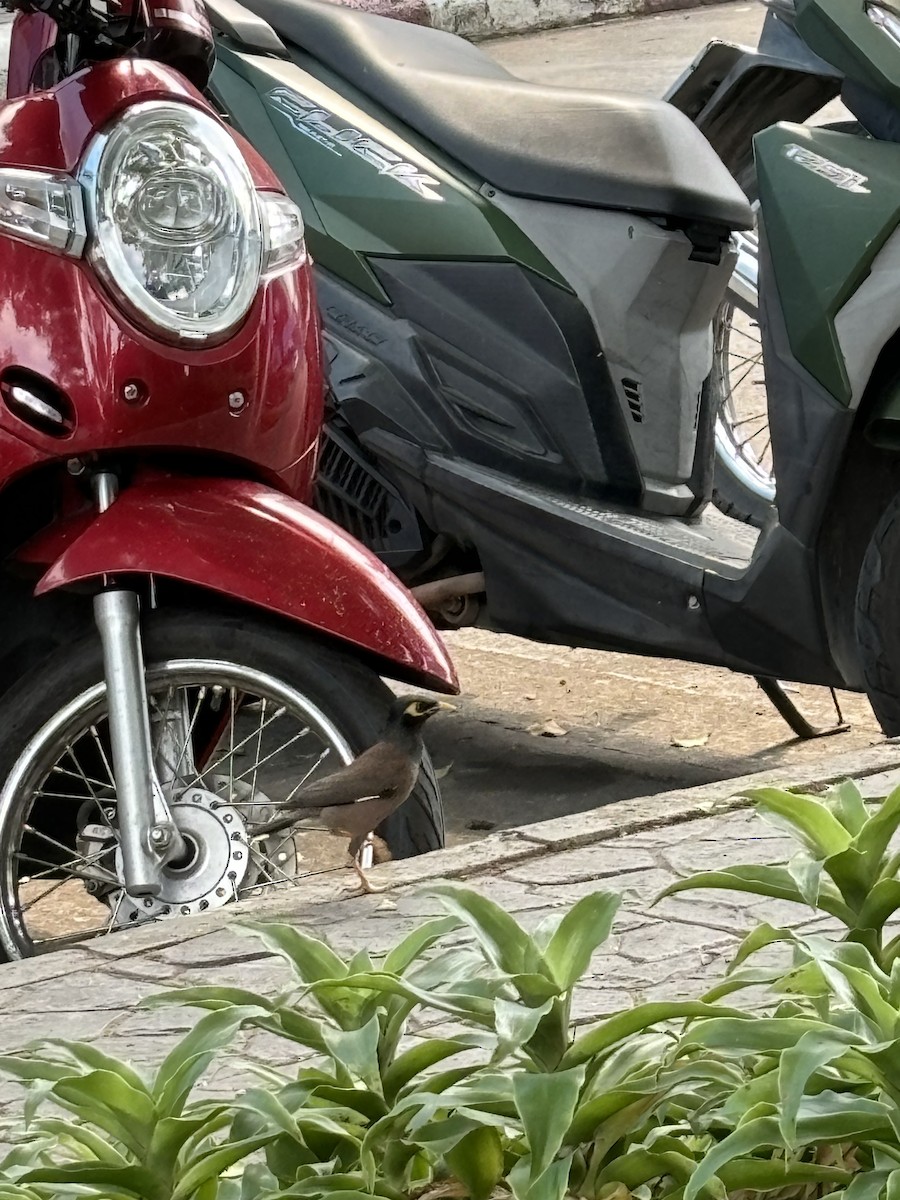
(255, 767)
(58, 770)
(211, 769)
(39, 912)
(763, 416)
(188, 741)
(102, 751)
(737, 382)
(747, 441)
(268, 758)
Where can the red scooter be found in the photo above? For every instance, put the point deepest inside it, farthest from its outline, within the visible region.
(184, 643)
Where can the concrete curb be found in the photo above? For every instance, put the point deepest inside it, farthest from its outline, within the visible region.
(478, 19)
(500, 850)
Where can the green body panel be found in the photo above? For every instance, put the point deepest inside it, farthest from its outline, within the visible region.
(353, 204)
(829, 202)
(840, 32)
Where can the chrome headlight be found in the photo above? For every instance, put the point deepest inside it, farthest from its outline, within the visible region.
(178, 231)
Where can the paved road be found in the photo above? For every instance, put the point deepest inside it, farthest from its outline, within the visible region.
(621, 715)
(636, 54)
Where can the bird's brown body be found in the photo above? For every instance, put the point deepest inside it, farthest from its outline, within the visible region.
(355, 800)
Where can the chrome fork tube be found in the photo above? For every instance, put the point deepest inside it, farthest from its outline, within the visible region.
(147, 834)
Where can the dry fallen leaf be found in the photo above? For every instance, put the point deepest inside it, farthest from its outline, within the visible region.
(530, 696)
(690, 743)
(549, 728)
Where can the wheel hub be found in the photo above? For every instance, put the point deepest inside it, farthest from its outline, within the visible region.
(214, 866)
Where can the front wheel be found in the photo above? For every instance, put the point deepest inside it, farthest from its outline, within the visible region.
(242, 715)
(877, 626)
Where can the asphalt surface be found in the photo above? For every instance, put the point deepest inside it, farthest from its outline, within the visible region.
(613, 726)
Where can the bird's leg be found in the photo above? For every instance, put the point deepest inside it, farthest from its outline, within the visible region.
(364, 854)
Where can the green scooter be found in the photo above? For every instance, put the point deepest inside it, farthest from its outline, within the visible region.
(518, 285)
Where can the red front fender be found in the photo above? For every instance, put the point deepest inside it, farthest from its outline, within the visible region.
(250, 543)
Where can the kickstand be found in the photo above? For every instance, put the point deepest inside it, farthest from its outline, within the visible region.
(792, 715)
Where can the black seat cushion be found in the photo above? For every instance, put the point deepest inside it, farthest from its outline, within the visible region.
(604, 149)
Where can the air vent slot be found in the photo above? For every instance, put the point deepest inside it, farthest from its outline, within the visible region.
(635, 397)
(37, 402)
(351, 492)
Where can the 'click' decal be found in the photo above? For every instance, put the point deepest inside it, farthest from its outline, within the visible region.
(841, 177)
(325, 128)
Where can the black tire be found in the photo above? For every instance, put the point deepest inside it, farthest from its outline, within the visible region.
(877, 624)
(349, 693)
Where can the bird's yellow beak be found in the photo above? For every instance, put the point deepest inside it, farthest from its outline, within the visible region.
(445, 706)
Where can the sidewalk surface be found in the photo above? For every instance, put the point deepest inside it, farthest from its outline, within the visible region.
(636, 847)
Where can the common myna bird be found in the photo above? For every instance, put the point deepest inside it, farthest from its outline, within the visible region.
(355, 800)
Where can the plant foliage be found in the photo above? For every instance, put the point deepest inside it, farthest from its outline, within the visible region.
(451, 1067)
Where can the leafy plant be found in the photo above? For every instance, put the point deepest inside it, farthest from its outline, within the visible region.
(528, 1106)
(451, 1068)
(845, 866)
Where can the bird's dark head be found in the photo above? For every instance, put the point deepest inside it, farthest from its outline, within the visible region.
(412, 712)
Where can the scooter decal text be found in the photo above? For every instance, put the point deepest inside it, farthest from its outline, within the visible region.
(324, 127)
(841, 177)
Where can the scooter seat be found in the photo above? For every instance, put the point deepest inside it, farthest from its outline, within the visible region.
(603, 149)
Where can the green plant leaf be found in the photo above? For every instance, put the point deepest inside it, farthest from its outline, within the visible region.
(100, 1148)
(799, 1062)
(592, 1113)
(766, 1035)
(768, 1175)
(552, 1184)
(757, 939)
(172, 1134)
(805, 817)
(210, 997)
(309, 958)
(130, 1181)
(584, 927)
(806, 872)
(846, 802)
(749, 1137)
(414, 945)
(546, 1104)
(516, 1024)
(89, 1056)
(880, 905)
(477, 1161)
(210, 1164)
(874, 838)
(643, 1016)
(504, 942)
(357, 1051)
(418, 1058)
(29, 1068)
(638, 1167)
(749, 977)
(107, 1100)
(763, 881)
(186, 1061)
(475, 1007)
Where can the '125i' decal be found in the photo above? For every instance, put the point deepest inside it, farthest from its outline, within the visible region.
(325, 128)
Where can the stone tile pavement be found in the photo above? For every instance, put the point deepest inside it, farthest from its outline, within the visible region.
(637, 847)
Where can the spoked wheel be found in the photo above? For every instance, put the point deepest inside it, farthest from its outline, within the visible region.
(744, 485)
(243, 716)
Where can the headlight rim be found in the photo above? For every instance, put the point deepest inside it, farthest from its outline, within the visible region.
(148, 313)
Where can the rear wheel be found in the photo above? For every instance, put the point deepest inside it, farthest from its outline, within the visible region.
(744, 481)
(242, 716)
(877, 624)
